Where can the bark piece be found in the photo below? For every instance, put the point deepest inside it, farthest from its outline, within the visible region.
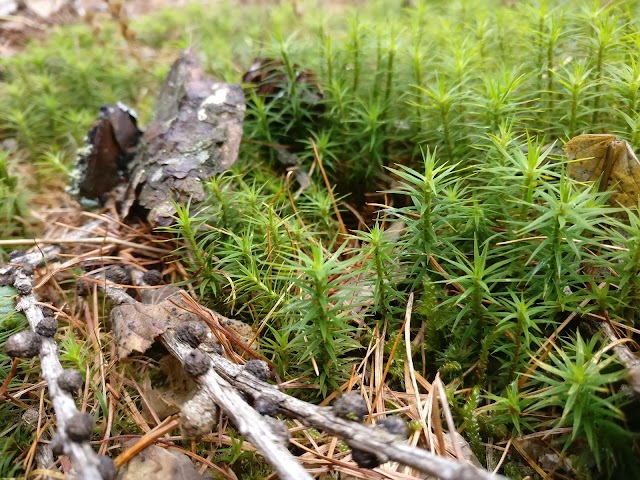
(110, 145)
(136, 326)
(196, 133)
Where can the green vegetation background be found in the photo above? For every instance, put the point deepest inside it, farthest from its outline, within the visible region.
(450, 107)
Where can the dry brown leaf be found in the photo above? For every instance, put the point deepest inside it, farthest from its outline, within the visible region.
(157, 462)
(136, 326)
(613, 161)
(166, 398)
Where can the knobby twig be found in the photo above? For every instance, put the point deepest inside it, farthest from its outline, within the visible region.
(86, 462)
(224, 380)
(216, 390)
(224, 384)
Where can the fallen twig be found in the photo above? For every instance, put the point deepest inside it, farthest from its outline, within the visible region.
(224, 379)
(86, 462)
(362, 437)
(76, 240)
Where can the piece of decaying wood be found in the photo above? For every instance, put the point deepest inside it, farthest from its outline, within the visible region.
(195, 134)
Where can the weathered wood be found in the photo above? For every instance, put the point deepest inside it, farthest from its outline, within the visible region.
(195, 134)
(85, 460)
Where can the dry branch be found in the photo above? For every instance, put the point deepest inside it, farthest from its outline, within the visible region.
(217, 391)
(223, 380)
(86, 462)
(357, 436)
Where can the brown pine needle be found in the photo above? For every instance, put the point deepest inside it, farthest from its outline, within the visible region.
(393, 352)
(343, 229)
(146, 440)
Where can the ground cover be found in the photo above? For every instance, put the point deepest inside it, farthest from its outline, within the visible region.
(393, 152)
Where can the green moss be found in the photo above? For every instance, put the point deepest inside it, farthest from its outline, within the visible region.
(448, 107)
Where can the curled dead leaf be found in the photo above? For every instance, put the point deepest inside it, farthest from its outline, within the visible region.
(158, 462)
(135, 326)
(606, 158)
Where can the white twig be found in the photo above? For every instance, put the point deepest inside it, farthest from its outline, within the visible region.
(85, 460)
(358, 436)
(249, 422)
(224, 379)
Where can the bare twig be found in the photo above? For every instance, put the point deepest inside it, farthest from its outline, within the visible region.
(217, 390)
(223, 381)
(85, 461)
(73, 240)
(223, 384)
(358, 436)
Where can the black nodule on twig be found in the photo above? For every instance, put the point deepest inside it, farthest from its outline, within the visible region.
(71, 381)
(351, 406)
(47, 326)
(192, 333)
(25, 344)
(259, 369)
(80, 427)
(196, 363)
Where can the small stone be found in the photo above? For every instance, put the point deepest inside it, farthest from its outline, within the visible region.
(47, 327)
(197, 363)
(259, 369)
(395, 426)
(265, 406)
(193, 333)
(365, 459)
(71, 381)
(152, 277)
(80, 427)
(57, 445)
(25, 344)
(107, 468)
(351, 406)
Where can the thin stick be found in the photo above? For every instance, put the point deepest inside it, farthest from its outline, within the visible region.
(146, 440)
(12, 372)
(504, 456)
(407, 316)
